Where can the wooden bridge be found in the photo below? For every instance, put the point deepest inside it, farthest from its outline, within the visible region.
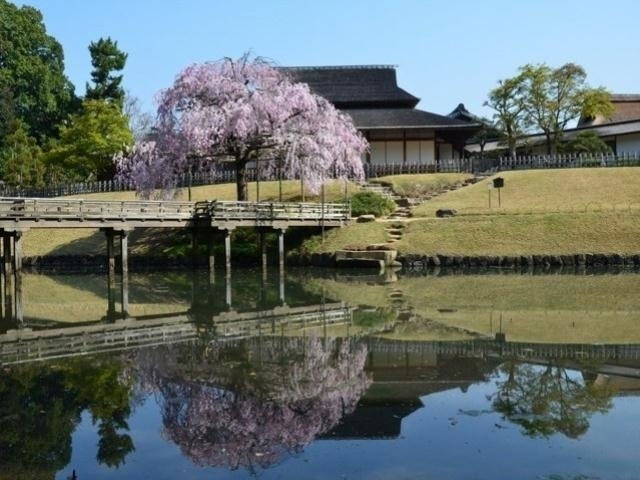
(118, 218)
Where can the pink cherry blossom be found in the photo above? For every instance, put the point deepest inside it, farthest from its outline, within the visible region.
(243, 111)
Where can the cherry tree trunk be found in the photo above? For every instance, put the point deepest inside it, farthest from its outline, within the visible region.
(241, 180)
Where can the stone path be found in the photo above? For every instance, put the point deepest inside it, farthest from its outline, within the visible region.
(398, 219)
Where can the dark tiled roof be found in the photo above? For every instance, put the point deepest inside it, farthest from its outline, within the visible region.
(403, 117)
(461, 113)
(355, 86)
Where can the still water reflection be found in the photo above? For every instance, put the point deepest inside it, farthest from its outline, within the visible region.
(321, 375)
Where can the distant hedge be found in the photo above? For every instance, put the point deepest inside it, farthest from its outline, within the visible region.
(371, 203)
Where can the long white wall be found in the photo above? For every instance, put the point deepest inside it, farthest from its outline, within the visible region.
(390, 152)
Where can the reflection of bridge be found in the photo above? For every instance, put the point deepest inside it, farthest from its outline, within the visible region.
(26, 345)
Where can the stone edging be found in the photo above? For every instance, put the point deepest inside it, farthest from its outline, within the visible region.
(546, 261)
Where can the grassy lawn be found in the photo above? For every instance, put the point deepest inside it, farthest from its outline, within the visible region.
(421, 184)
(538, 234)
(356, 235)
(562, 190)
(553, 234)
(554, 212)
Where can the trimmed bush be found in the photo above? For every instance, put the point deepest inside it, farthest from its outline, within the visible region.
(371, 203)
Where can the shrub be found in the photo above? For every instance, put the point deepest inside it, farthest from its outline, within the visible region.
(371, 203)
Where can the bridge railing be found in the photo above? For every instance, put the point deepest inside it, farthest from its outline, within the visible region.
(79, 210)
(228, 210)
(40, 208)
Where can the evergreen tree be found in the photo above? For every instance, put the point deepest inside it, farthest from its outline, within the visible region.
(33, 86)
(106, 58)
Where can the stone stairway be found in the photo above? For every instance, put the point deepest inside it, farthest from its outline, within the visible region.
(394, 232)
(404, 205)
(380, 189)
(397, 221)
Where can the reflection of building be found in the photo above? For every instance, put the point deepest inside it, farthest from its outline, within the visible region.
(405, 372)
(398, 133)
(400, 379)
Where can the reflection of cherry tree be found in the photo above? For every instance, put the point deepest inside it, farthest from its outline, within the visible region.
(549, 399)
(250, 407)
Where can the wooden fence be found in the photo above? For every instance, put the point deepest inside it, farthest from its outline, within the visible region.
(568, 161)
(457, 165)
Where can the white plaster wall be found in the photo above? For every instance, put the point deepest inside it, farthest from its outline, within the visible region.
(394, 153)
(628, 143)
(413, 152)
(390, 152)
(427, 152)
(378, 154)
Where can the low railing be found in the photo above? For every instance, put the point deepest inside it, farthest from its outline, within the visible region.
(47, 209)
(36, 209)
(227, 210)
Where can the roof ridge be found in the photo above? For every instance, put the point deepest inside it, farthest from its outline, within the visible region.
(341, 67)
(625, 97)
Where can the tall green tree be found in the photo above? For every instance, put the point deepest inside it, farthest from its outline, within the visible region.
(89, 142)
(555, 97)
(21, 157)
(33, 86)
(106, 59)
(507, 103)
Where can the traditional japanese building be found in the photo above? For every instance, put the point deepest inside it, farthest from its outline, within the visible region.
(621, 131)
(386, 114)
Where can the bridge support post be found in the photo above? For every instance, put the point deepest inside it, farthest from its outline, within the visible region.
(124, 268)
(227, 287)
(281, 249)
(111, 259)
(17, 253)
(17, 271)
(281, 285)
(263, 252)
(6, 250)
(212, 259)
(227, 251)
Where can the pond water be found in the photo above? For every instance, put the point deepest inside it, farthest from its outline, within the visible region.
(321, 375)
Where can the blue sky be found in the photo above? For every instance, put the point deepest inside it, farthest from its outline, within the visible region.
(446, 52)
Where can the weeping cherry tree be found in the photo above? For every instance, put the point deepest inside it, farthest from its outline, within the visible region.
(243, 111)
